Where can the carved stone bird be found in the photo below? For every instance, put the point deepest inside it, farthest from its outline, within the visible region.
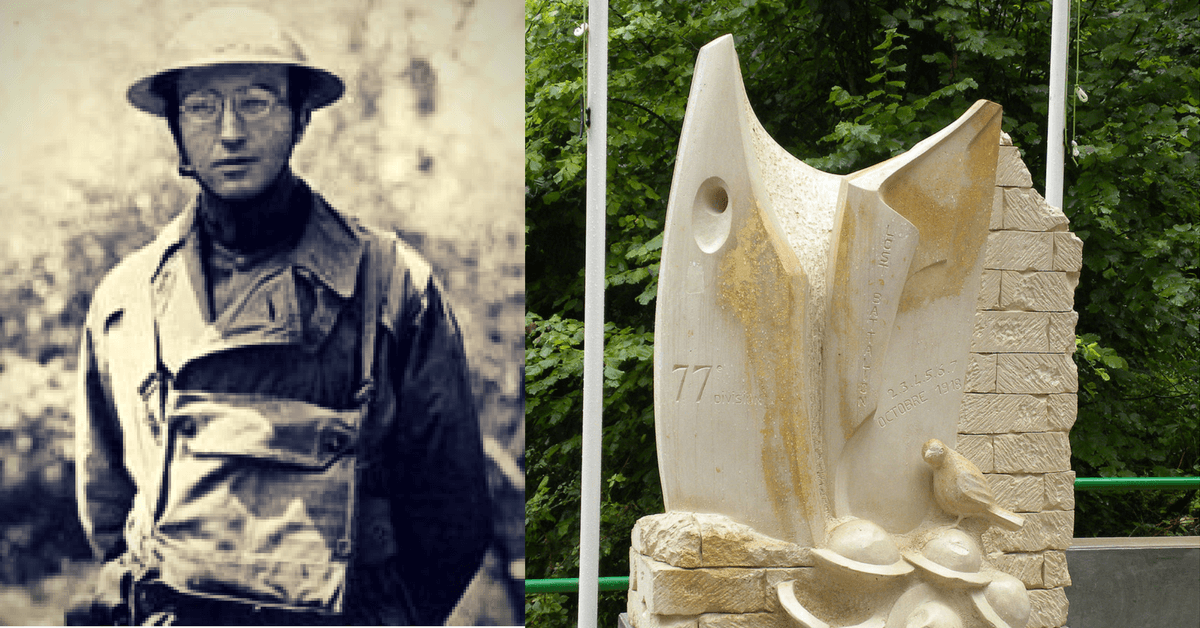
(960, 488)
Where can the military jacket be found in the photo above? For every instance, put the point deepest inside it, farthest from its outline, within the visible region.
(151, 341)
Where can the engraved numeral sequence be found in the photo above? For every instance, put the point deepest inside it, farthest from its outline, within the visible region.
(706, 369)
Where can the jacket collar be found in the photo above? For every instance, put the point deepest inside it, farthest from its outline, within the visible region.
(328, 249)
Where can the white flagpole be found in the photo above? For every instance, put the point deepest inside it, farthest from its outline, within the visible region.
(1056, 123)
(593, 313)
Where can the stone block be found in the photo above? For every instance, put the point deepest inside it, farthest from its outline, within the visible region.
(1010, 332)
(1037, 291)
(746, 620)
(1036, 373)
(669, 590)
(1018, 493)
(641, 617)
(989, 290)
(727, 543)
(774, 617)
(691, 540)
(1026, 210)
(1051, 529)
(989, 413)
(977, 449)
(650, 620)
(1025, 567)
(633, 558)
(1068, 252)
(1034, 452)
(981, 373)
(672, 538)
(1061, 410)
(1010, 170)
(1048, 608)
(1055, 572)
(1061, 338)
(1060, 490)
(1019, 250)
(997, 220)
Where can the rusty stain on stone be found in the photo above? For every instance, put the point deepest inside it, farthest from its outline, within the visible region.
(755, 286)
(953, 227)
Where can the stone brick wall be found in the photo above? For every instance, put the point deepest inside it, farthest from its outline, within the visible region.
(1021, 385)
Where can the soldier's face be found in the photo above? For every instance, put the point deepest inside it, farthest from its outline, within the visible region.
(240, 151)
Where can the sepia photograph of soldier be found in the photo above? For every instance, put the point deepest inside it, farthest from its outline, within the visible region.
(294, 396)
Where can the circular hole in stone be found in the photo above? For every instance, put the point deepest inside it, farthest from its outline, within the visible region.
(711, 217)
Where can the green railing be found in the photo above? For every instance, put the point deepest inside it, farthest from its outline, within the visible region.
(571, 585)
(1121, 484)
(621, 583)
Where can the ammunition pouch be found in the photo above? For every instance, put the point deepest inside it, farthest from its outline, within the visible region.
(259, 500)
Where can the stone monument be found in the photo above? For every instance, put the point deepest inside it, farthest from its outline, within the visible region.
(863, 383)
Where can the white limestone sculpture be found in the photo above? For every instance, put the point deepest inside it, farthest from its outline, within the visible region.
(813, 329)
(814, 336)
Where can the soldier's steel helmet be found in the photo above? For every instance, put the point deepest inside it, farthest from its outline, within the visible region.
(230, 35)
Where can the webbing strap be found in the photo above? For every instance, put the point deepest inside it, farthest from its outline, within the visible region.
(377, 275)
(370, 321)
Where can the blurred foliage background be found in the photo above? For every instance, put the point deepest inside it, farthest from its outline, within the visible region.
(844, 85)
(426, 142)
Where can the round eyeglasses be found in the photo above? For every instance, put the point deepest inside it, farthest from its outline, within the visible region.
(250, 103)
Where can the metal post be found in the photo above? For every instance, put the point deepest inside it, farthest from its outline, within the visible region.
(593, 313)
(1056, 122)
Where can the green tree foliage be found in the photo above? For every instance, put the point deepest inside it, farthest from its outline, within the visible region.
(1134, 197)
(843, 86)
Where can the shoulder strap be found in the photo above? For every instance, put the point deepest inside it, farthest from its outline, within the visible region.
(379, 260)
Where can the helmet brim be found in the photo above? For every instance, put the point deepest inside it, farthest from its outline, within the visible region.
(947, 577)
(987, 611)
(324, 87)
(849, 566)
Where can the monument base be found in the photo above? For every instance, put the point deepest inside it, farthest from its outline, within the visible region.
(692, 569)
(1148, 582)
(695, 570)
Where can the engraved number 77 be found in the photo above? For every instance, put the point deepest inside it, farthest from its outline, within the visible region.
(682, 380)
